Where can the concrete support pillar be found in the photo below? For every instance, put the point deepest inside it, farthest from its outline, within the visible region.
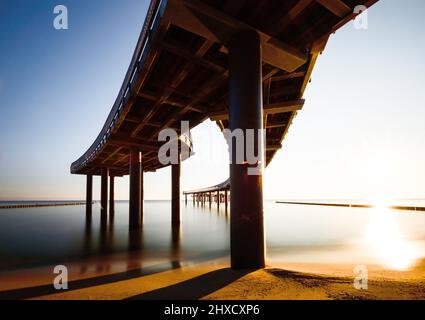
(175, 193)
(135, 166)
(89, 195)
(218, 200)
(246, 112)
(111, 195)
(142, 191)
(104, 192)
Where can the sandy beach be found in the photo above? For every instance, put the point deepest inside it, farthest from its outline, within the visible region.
(216, 281)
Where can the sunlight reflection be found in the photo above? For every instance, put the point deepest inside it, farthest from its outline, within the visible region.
(384, 240)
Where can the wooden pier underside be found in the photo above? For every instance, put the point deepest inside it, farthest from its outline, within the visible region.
(179, 71)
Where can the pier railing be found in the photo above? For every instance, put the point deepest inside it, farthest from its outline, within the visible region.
(121, 103)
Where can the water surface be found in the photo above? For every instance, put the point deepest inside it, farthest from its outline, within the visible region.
(295, 233)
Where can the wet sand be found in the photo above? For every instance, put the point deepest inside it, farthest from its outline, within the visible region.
(215, 280)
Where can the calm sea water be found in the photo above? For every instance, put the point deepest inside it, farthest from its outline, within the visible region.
(295, 233)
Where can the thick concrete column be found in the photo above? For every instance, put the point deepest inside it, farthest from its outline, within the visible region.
(135, 164)
(89, 195)
(175, 193)
(104, 192)
(111, 195)
(246, 112)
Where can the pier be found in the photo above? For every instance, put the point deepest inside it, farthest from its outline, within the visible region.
(352, 205)
(241, 64)
(37, 205)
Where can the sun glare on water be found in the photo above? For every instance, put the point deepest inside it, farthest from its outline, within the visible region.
(385, 240)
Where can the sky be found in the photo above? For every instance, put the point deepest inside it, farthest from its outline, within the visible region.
(361, 133)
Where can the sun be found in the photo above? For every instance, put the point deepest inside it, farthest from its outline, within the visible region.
(385, 241)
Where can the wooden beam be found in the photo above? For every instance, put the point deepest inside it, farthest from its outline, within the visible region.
(280, 107)
(285, 90)
(181, 52)
(270, 74)
(288, 76)
(337, 7)
(275, 124)
(154, 124)
(184, 72)
(273, 147)
(214, 25)
(172, 101)
(313, 59)
(117, 150)
(286, 19)
(131, 142)
(283, 107)
(206, 89)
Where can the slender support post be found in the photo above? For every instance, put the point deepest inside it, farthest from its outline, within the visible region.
(225, 200)
(135, 165)
(185, 199)
(193, 199)
(218, 200)
(104, 192)
(209, 199)
(175, 193)
(142, 190)
(89, 195)
(111, 195)
(246, 112)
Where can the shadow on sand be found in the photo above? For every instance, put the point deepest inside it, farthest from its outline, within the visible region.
(195, 288)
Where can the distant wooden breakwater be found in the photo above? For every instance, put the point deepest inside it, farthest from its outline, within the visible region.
(348, 205)
(37, 205)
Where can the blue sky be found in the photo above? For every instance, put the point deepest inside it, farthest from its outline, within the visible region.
(361, 132)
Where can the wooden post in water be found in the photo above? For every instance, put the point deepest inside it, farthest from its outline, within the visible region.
(175, 192)
(218, 200)
(134, 203)
(104, 192)
(89, 195)
(246, 112)
(111, 195)
(142, 190)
